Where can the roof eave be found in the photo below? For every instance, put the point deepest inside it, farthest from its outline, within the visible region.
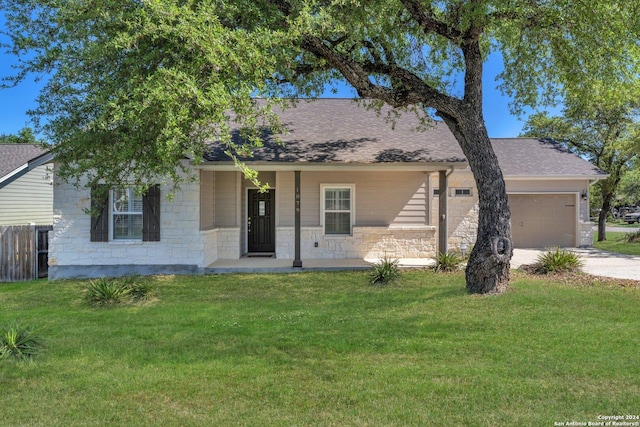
(26, 168)
(362, 167)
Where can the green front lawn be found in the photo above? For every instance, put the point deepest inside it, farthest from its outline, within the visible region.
(615, 243)
(325, 349)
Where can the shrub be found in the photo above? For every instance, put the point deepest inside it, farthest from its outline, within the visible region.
(138, 290)
(633, 237)
(556, 260)
(448, 262)
(18, 341)
(105, 292)
(385, 271)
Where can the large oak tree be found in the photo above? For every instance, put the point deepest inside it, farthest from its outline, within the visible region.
(136, 85)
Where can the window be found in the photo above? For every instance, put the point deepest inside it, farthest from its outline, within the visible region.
(126, 214)
(436, 192)
(121, 214)
(337, 208)
(462, 192)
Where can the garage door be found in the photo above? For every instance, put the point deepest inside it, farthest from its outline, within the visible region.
(543, 220)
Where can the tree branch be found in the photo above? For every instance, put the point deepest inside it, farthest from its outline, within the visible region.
(429, 23)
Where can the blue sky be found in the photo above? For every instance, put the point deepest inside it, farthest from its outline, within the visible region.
(15, 102)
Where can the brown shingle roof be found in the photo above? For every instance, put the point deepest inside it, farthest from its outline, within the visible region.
(12, 156)
(539, 157)
(342, 131)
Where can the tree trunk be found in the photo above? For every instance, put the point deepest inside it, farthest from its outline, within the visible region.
(488, 267)
(602, 216)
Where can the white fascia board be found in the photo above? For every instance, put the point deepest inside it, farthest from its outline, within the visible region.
(29, 166)
(14, 173)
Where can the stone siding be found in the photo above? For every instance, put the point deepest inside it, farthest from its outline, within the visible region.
(181, 242)
(366, 242)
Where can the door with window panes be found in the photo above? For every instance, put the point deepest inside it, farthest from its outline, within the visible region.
(261, 224)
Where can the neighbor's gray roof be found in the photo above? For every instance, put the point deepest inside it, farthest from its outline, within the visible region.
(342, 131)
(12, 156)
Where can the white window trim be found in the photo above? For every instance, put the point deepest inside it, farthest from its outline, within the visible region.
(352, 217)
(111, 214)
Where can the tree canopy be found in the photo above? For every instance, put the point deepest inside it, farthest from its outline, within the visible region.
(24, 136)
(138, 85)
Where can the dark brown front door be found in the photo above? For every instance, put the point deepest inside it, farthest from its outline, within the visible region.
(261, 224)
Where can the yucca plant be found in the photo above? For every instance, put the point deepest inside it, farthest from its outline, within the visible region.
(556, 260)
(138, 290)
(385, 271)
(18, 341)
(105, 292)
(633, 237)
(447, 262)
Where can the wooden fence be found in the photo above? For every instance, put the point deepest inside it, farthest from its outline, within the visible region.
(24, 252)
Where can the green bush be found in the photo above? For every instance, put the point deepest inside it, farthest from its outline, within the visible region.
(385, 271)
(556, 260)
(448, 262)
(18, 341)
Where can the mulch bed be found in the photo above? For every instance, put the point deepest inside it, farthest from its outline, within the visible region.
(577, 278)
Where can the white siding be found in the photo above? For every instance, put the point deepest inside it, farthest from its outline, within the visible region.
(28, 199)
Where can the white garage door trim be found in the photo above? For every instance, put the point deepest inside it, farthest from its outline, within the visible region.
(576, 194)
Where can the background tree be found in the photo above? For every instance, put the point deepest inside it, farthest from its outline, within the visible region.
(601, 127)
(138, 85)
(24, 136)
(629, 192)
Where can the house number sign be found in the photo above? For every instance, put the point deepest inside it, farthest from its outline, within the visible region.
(297, 199)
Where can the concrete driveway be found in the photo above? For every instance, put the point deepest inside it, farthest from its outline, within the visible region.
(596, 262)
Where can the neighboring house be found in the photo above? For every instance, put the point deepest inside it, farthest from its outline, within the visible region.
(346, 185)
(26, 190)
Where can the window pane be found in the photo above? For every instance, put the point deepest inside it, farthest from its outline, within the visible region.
(337, 223)
(120, 200)
(127, 226)
(337, 199)
(136, 201)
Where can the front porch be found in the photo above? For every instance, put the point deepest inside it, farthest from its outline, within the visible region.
(274, 265)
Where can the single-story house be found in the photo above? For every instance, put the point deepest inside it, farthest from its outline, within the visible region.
(346, 184)
(26, 190)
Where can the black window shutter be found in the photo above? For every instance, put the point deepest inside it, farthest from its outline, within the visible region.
(99, 214)
(151, 214)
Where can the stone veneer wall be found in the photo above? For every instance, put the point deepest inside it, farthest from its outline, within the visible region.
(585, 236)
(366, 242)
(181, 247)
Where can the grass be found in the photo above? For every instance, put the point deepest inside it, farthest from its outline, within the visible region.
(616, 243)
(325, 349)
